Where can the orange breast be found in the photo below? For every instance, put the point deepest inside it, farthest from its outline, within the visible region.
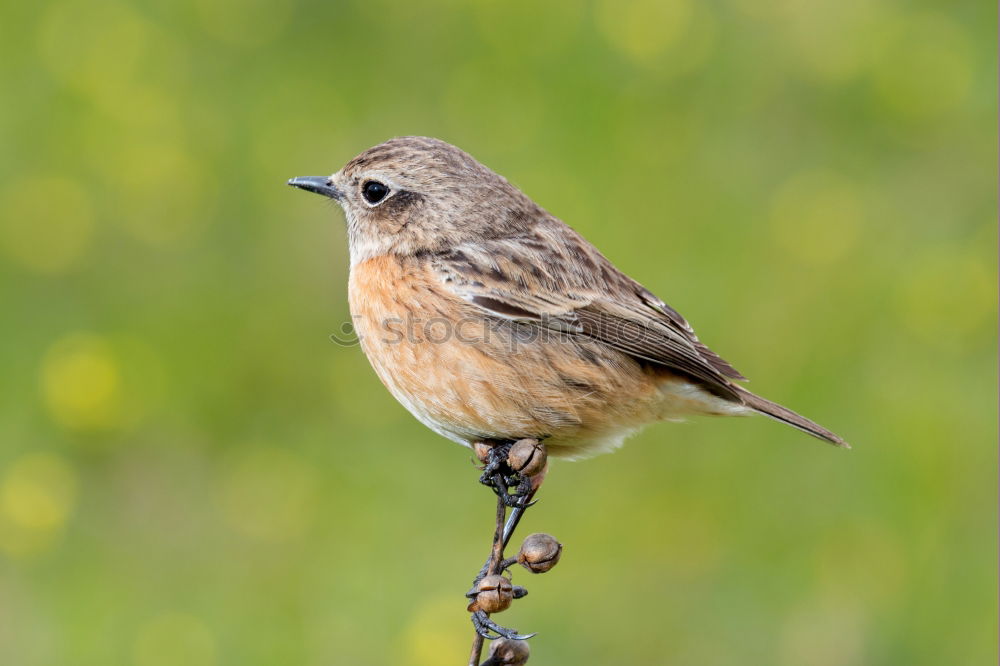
(468, 376)
(428, 353)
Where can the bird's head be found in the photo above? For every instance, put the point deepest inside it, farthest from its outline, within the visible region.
(417, 194)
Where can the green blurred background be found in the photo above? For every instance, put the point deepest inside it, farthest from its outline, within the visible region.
(192, 473)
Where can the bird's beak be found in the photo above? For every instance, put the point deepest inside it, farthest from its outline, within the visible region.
(317, 184)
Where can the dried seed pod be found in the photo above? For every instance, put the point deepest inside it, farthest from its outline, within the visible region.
(527, 457)
(493, 594)
(508, 652)
(539, 552)
(482, 451)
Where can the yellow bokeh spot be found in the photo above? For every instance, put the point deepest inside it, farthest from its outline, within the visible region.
(81, 383)
(831, 41)
(46, 223)
(127, 66)
(269, 493)
(38, 491)
(171, 639)
(438, 633)
(925, 69)
(816, 216)
(643, 29)
(37, 495)
(93, 47)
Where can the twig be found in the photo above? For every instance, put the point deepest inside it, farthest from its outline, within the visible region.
(492, 567)
(477, 650)
(520, 464)
(498, 543)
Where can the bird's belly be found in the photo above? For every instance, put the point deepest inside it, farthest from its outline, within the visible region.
(470, 377)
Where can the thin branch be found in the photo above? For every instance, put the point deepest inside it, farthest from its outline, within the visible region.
(477, 650)
(520, 465)
(497, 556)
(492, 567)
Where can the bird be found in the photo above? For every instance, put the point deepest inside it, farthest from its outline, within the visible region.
(491, 320)
(501, 328)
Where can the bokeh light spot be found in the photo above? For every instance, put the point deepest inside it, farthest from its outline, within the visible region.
(38, 491)
(816, 216)
(643, 29)
(171, 639)
(127, 66)
(832, 41)
(46, 223)
(81, 383)
(269, 493)
(37, 495)
(93, 47)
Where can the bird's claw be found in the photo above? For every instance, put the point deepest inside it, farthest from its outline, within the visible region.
(490, 630)
(521, 499)
(498, 475)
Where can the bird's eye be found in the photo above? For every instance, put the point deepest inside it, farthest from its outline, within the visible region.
(374, 191)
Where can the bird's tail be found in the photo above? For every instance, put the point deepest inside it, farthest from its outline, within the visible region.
(779, 413)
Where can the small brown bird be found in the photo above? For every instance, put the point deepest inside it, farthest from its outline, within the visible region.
(491, 320)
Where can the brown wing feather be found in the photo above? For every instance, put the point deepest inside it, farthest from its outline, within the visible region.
(578, 290)
(681, 323)
(643, 339)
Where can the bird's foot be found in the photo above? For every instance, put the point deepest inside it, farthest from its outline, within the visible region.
(505, 468)
(490, 630)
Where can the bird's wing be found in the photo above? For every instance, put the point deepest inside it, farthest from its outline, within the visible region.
(565, 284)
